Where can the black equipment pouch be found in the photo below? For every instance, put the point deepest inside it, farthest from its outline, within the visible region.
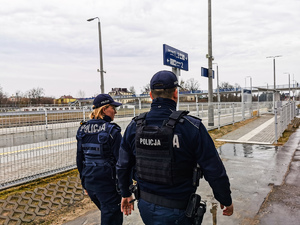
(133, 188)
(197, 175)
(195, 209)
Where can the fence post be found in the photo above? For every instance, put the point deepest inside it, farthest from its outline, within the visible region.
(293, 110)
(281, 121)
(83, 113)
(140, 103)
(243, 111)
(243, 107)
(281, 112)
(275, 114)
(285, 111)
(291, 116)
(197, 105)
(219, 115)
(233, 113)
(46, 124)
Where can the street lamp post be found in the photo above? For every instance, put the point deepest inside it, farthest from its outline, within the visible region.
(267, 97)
(218, 91)
(289, 87)
(274, 92)
(210, 59)
(218, 87)
(101, 58)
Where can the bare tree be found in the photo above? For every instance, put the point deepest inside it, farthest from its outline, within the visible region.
(237, 85)
(1, 94)
(182, 84)
(146, 89)
(132, 90)
(18, 95)
(225, 88)
(191, 85)
(35, 95)
(81, 94)
(3, 97)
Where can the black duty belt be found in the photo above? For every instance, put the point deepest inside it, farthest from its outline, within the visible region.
(96, 162)
(159, 200)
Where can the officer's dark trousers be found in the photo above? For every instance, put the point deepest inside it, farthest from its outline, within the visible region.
(108, 202)
(158, 215)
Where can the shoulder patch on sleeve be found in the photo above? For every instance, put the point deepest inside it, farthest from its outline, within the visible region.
(132, 122)
(195, 121)
(116, 126)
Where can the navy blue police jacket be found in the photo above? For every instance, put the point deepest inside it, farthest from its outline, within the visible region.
(97, 172)
(195, 146)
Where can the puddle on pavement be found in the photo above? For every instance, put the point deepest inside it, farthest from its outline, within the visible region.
(247, 150)
(261, 158)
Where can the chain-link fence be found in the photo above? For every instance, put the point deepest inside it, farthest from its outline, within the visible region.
(35, 144)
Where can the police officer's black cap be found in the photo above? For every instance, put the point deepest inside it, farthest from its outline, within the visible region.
(104, 99)
(164, 80)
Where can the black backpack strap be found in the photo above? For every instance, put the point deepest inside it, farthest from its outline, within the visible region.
(140, 118)
(176, 117)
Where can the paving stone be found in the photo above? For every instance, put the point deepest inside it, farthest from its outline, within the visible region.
(25, 207)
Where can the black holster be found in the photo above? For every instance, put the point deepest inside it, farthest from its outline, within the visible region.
(195, 209)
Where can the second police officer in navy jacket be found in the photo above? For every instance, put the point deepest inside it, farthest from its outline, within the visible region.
(98, 142)
(163, 153)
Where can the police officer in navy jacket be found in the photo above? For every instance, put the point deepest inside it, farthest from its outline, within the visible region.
(163, 164)
(98, 143)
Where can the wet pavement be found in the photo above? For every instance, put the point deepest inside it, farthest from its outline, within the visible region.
(259, 131)
(283, 203)
(264, 183)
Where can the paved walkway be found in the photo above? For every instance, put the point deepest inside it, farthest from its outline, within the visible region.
(255, 172)
(260, 131)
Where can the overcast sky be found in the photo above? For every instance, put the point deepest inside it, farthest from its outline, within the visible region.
(50, 44)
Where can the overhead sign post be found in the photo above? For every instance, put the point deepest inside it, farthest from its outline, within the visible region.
(177, 59)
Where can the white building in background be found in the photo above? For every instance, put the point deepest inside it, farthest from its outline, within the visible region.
(120, 93)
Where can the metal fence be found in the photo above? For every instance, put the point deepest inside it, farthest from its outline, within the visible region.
(284, 114)
(34, 144)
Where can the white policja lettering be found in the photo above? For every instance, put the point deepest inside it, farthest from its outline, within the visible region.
(151, 142)
(176, 141)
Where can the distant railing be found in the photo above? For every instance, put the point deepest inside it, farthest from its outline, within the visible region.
(34, 144)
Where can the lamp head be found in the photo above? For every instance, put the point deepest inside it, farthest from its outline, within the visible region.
(91, 19)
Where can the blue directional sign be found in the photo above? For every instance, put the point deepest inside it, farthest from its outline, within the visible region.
(247, 91)
(175, 58)
(204, 72)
